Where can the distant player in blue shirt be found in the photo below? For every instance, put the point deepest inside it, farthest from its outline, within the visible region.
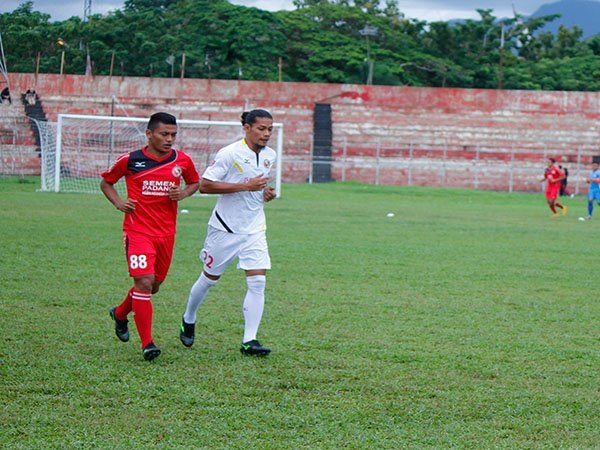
(594, 189)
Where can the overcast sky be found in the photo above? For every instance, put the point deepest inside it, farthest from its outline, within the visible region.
(429, 10)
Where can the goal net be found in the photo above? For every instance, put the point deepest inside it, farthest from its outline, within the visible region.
(78, 148)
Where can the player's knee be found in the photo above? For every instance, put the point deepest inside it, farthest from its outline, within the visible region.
(211, 277)
(145, 284)
(256, 283)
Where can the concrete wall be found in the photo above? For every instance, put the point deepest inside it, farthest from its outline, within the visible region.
(478, 138)
(18, 151)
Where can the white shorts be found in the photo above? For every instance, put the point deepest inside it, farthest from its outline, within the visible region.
(221, 248)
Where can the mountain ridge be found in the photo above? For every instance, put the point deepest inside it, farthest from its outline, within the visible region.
(583, 13)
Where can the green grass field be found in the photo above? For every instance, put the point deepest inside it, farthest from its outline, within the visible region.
(468, 320)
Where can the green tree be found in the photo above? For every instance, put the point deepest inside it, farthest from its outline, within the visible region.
(25, 33)
(320, 41)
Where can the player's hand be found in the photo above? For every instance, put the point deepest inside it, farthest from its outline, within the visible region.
(257, 183)
(128, 206)
(176, 194)
(269, 194)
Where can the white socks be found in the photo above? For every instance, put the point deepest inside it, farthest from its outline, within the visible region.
(254, 302)
(197, 294)
(253, 305)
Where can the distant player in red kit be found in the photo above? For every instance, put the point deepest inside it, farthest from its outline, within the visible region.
(553, 175)
(153, 176)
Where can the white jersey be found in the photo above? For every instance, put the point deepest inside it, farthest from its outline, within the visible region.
(240, 212)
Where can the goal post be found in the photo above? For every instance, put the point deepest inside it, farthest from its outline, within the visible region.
(86, 145)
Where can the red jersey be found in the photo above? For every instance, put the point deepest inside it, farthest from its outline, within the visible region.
(553, 188)
(148, 181)
(552, 175)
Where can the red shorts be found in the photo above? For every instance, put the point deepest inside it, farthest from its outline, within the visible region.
(148, 255)
(552, 192)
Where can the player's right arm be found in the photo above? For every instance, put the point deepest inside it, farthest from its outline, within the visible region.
(109, 178)
(221, 187)
(113, 196)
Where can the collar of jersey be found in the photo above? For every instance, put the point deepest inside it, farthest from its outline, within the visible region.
(145, 150)
(260, 149)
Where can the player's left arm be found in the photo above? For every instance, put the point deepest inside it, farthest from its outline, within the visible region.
(177, 194)
(269, 194)
(192, 182)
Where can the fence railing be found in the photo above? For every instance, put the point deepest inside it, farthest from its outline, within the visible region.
(512, 167)
(505, 168)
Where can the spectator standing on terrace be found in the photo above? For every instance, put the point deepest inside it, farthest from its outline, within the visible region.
(5, 96)
(553, 176)
(153, 176)
(30, 97)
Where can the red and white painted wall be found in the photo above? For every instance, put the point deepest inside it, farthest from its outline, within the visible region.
(477, 138)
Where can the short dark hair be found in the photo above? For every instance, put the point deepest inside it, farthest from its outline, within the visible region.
(249, 117)
(161, 117)
(552, 159)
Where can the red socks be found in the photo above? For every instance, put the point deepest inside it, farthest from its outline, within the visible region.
(125, 307)
(141, 305)
(553, 209)
(559, 205)
(142, 314)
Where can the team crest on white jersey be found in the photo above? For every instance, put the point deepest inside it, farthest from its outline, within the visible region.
(267, 163)
(176, 171)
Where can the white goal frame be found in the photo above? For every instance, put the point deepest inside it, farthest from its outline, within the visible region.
(111, 119)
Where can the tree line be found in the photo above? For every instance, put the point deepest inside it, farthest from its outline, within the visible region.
(325, 41)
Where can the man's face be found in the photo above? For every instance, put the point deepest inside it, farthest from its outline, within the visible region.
(550, 163)
(594, 166)
(258, 133)
(162, 138)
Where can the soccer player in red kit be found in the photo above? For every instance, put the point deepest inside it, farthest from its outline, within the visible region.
(553, 175)
(153, 176)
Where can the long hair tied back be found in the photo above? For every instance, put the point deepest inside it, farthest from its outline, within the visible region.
(249, 117)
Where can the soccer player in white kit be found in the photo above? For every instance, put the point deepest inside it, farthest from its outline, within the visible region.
(237, 227)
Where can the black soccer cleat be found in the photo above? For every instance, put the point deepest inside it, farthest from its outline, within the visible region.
(151, 351)
(186, 333)
(253, 347)
(121, 329)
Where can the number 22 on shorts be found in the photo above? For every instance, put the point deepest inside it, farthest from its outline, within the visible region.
(208, 260)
